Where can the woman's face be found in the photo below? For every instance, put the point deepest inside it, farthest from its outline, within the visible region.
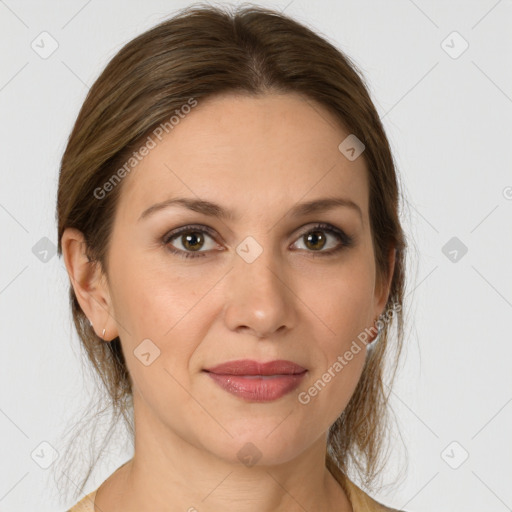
(263, 283)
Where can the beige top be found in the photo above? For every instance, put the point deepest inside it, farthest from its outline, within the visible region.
(360, 501)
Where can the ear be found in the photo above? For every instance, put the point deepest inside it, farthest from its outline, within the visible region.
(382, 289)
(89, 284)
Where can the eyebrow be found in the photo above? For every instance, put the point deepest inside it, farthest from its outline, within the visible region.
(214, 210)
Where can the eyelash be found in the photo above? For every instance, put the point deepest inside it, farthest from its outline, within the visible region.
(346, 240)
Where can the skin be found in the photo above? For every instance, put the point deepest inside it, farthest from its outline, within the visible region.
(259, 156)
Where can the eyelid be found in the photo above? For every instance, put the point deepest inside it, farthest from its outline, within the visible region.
(306, 228)
(190, 227)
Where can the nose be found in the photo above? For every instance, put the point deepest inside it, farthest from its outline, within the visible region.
(259, 299)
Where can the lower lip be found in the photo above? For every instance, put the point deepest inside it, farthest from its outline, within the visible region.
(258, 388)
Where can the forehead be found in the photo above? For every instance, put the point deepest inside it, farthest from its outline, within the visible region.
(243, 151)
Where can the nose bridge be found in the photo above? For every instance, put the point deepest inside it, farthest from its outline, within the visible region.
(258, 265)
(257, 296)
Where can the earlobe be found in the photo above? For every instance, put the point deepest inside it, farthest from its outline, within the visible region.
(88, 283)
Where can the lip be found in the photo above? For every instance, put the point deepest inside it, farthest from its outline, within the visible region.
(255, 381)
(250, 367)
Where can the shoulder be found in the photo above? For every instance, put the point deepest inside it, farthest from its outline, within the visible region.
(360, 500)
(363, 502)
(86, 504)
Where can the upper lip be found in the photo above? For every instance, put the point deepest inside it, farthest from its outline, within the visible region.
(250, 367)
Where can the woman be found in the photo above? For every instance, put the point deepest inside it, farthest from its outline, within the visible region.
(228, 217)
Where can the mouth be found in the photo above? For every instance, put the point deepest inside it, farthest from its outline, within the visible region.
(257, 382)
(248, 367)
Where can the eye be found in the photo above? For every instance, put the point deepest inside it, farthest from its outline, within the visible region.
(192, 240)
(316, 240)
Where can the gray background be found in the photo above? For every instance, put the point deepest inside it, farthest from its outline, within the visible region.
(449, 120)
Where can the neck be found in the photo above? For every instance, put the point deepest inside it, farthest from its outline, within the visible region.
(168, 473)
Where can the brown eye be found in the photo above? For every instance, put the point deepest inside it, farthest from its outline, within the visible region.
(193, 240)
(190, 240)
(315, 240)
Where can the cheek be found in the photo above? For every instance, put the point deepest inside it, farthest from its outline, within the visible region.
(343, 305)
(157, 343)
(156, 302)
(343, 301)
(150, 297)
(334, 380)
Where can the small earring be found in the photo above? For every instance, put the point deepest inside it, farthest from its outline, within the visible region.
(103, 333)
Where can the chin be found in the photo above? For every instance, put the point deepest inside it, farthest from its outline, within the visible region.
(259, 446)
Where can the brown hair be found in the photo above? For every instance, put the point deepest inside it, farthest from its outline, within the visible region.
(200, 52)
